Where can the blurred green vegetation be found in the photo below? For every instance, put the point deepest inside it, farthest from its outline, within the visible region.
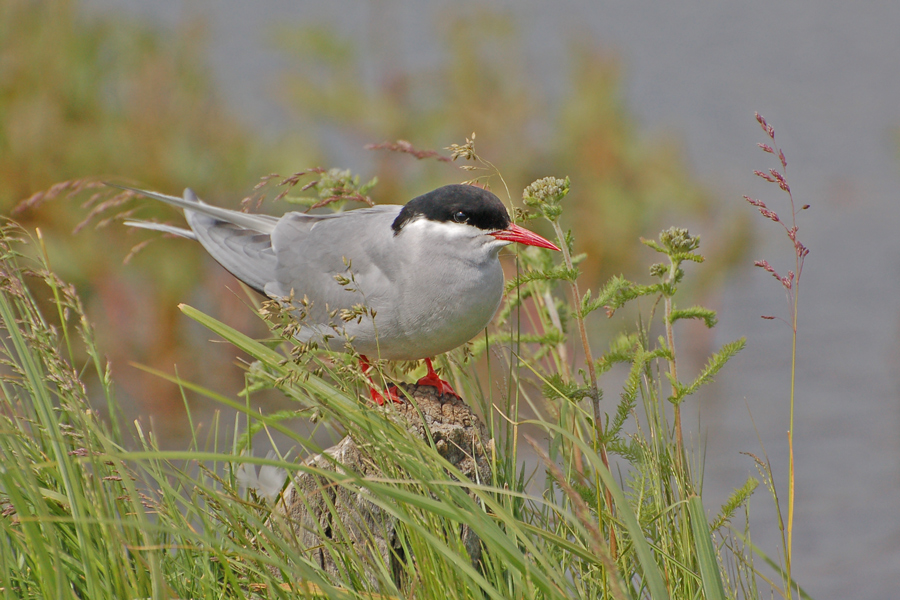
(624, 186)
(105, 97)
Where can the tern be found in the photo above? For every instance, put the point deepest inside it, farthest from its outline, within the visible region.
(427, 272)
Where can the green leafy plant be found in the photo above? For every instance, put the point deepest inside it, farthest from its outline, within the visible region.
(612, 506)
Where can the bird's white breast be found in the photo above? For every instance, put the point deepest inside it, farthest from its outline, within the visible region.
(447, 287)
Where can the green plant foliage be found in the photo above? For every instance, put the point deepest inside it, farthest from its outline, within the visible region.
(88, 97)
(695, 312)
(738, 498)
(72, 496)
(615, 509)
(716, 362)
(706, 553)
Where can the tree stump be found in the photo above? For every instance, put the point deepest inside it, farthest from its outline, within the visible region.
(306, 504)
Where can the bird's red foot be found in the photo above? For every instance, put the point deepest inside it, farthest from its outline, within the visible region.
(377, 397)
(432, 379)
(391, 392)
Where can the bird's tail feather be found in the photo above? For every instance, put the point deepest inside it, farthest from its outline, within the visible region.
(238, 241)
(190, 202)
(185, 233)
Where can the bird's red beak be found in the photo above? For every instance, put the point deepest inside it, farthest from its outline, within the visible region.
(514, 233)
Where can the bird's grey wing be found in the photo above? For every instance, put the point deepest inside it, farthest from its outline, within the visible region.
(245, 253)
(312, 251)
(238, 241)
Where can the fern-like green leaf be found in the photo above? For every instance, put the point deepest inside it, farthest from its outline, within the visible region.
(560, 273)
(737, 499)
(716, 362)
(707, 315)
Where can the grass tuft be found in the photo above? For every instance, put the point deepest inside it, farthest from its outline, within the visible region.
(92, 508)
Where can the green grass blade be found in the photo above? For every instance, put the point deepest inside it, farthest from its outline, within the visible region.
(769, 561)
(649, 567)
(706, 552)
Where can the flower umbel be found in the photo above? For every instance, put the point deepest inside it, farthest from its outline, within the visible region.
(545, 195)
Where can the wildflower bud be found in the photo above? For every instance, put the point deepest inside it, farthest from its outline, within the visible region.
(678, 239)
(545, 195)
(548, 189)
(658, 270)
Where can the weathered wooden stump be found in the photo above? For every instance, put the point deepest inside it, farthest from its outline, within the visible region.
(310, 504)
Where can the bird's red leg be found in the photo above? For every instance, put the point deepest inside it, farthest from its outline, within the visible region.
(377, 396)
(434, 381)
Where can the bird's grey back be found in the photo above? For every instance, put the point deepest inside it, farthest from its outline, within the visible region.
(311, 250)
(295, 253)
(302, 255)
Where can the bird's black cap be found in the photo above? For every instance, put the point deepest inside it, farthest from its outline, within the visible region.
(456, 203)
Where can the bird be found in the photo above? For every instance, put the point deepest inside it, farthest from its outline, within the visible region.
(427, 272)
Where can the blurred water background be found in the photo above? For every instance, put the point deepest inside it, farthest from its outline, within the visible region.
(647, 106)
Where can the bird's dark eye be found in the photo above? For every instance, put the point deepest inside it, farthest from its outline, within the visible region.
(460, 217)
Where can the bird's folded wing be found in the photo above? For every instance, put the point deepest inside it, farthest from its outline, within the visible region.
(315, 253)
(245, 253)
(240, 242)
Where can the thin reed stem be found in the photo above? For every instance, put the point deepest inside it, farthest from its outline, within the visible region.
(592, 375)
(791, 283)
(673, 371)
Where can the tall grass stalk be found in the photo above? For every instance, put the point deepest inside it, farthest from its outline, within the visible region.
(545, 196)
(791, 284)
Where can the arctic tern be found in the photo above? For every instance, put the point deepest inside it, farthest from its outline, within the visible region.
(428, 272)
